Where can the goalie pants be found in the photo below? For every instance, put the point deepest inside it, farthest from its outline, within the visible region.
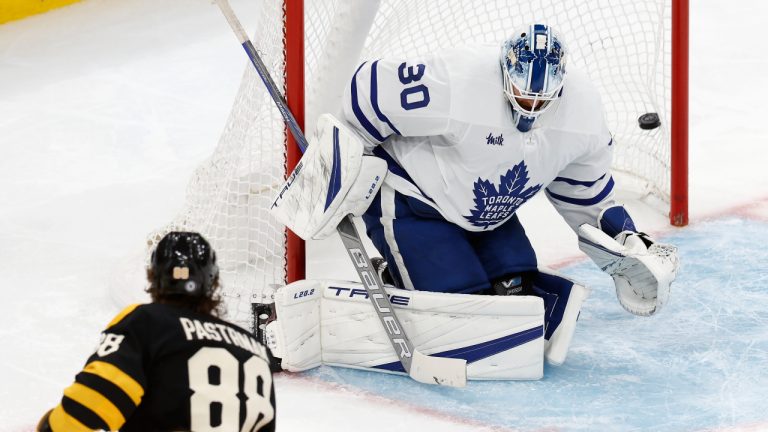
(426, 252)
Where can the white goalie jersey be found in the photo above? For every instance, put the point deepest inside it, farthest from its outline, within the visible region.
(448, 133)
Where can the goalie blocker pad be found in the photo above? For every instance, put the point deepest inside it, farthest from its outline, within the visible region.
(332, 180)
(501, 337)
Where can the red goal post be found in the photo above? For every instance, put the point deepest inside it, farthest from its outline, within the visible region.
(678, 200)
(295, 249)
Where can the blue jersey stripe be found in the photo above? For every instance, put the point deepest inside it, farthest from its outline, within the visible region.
(334, 184)
(361, 118)
(375, 97)
(574, 182)
(396, 169)
(584, 201)
(393, 166)
(480, 351)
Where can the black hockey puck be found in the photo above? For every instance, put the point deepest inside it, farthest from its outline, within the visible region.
(649, 121)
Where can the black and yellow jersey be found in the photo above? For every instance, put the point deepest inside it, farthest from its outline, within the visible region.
(165, 368)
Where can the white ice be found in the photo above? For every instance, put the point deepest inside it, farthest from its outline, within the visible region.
(107, 106)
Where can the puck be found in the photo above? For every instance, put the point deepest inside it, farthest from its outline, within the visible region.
(649, 121)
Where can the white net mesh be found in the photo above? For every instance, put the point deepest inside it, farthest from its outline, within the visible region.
(624, 45)
(229, 194)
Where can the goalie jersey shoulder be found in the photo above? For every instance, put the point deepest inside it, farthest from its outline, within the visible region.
(424, 96)
(455, 89)
(580, 110)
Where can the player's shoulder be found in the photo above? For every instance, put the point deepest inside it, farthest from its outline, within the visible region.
(473, 53)
(128, 315)
(477, 62)
(581, 86)
(146, 315)
(580, 109)
(186, 316)
(476, 86)
(217, 320)
(459, 61)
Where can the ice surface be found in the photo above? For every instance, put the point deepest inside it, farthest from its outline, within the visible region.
(108, 105)
(700, 364)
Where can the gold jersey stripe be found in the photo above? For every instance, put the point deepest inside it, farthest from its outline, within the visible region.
(123, 314)
(97, 403)
(117, 377)
(17, 9)
(61, 421)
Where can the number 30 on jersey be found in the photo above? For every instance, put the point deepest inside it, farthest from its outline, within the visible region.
(413, 96)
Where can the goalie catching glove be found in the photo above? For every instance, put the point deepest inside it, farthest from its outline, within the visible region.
(642, 269)
(332, 180)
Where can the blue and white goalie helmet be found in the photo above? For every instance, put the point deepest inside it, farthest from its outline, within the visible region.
(533, 65)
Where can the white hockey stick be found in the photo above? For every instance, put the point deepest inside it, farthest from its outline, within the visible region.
(420, 367)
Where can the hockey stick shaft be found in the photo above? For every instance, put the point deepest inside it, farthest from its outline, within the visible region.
(430, 370)
(263, 72)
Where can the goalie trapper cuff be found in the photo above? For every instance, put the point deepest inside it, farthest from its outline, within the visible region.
(615, 220)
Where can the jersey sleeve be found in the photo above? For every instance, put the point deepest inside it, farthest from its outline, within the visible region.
(585, 187)
(110, 386)
(398, 97)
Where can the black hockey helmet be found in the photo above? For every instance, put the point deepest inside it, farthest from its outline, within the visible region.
(184, 263)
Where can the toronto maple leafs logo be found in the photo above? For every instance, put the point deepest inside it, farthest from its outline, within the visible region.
(494, 205)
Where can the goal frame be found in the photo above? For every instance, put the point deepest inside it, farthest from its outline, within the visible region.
(295, 96)
(678, 196)
(295, 249)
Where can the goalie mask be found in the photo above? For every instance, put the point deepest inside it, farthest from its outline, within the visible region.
(533, 66)
(184, 263)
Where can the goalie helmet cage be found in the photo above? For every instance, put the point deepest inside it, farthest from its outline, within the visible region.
(636, 51)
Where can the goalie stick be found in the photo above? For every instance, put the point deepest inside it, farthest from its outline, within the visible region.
(420, 367)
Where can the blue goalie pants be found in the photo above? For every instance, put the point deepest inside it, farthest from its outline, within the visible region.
(426, 252)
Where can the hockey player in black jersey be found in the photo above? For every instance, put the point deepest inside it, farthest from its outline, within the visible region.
(172, 365)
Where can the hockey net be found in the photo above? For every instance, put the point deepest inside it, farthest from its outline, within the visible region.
(623, 45)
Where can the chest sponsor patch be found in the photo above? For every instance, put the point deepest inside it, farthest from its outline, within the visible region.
(494, 204)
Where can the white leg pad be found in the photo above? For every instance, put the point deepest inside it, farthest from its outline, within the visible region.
(567, 297)
(295, 335)
(333, 322)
